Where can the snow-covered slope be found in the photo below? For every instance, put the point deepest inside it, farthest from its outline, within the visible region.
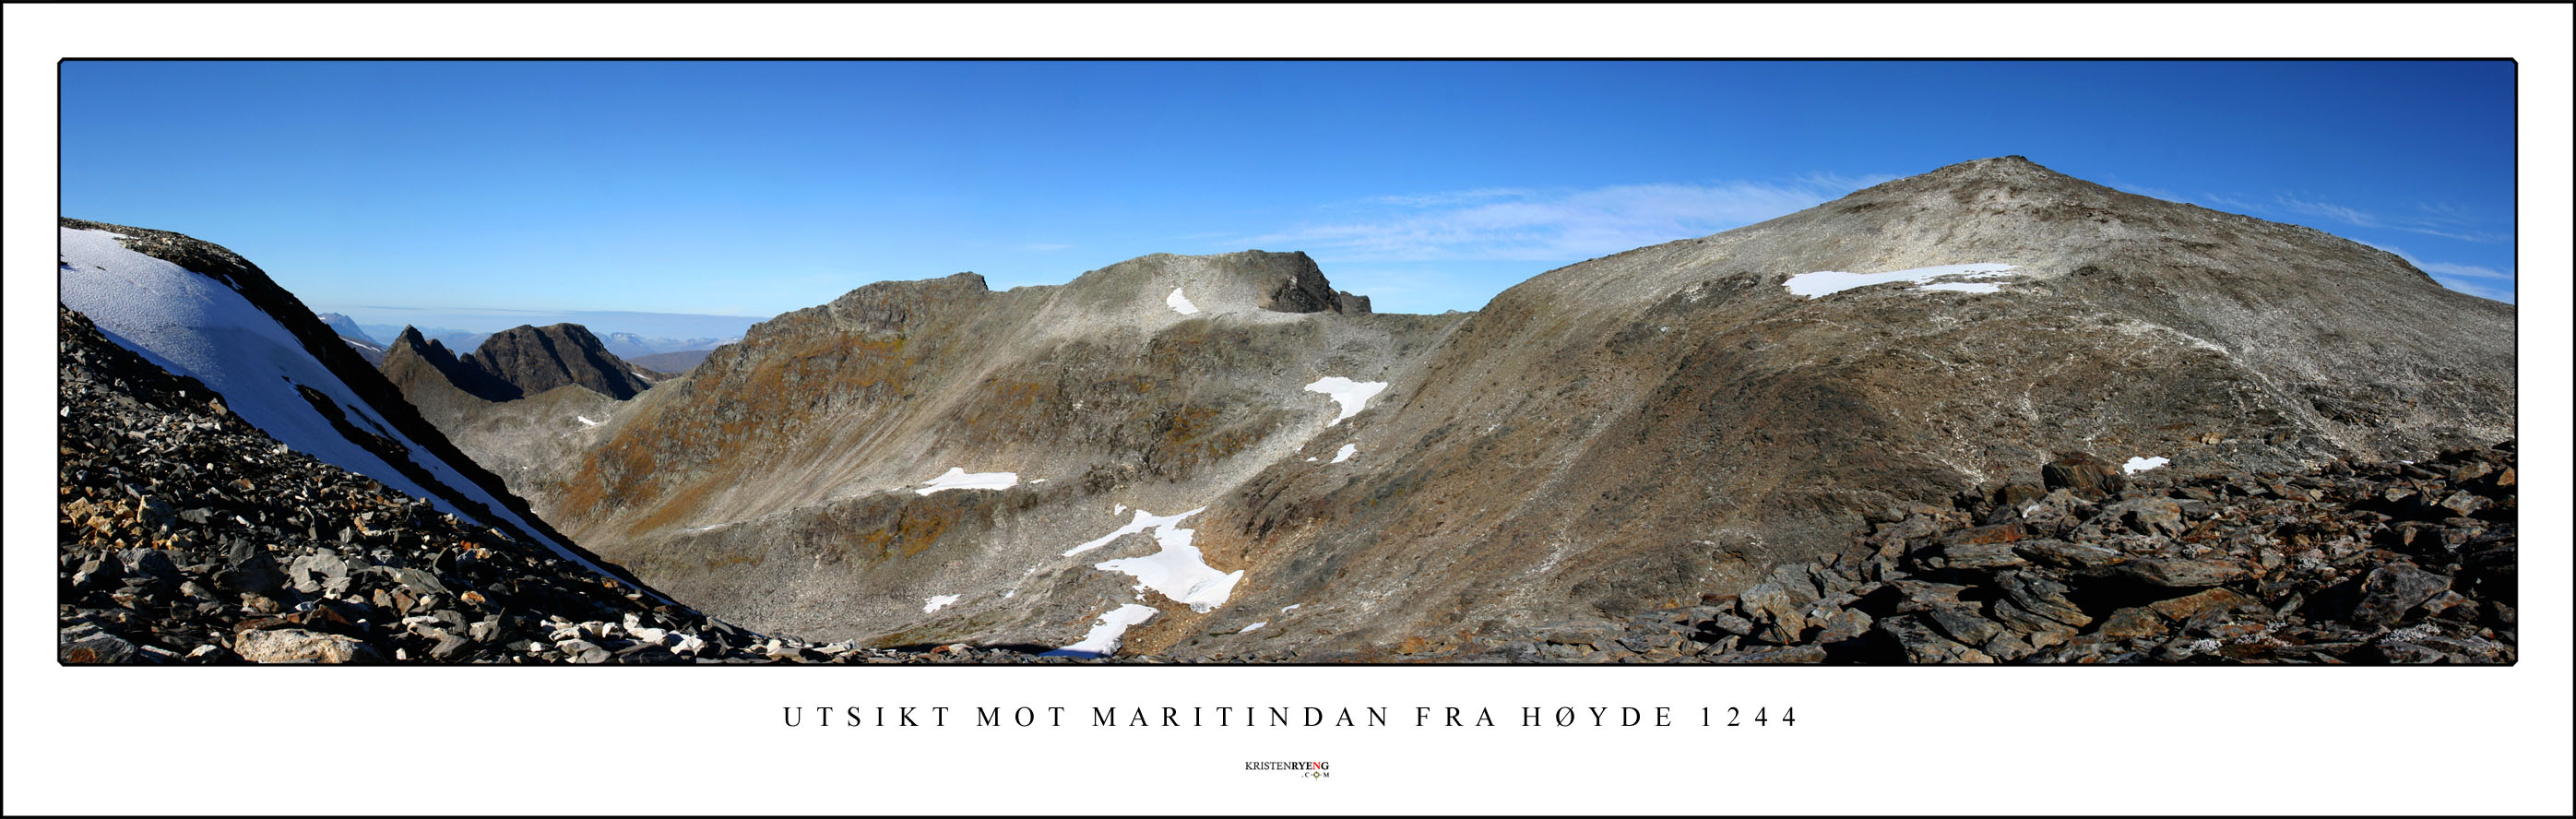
(204, 326)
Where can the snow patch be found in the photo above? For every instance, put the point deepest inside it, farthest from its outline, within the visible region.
(1347, 451)
(1828, 282)
(1144, 520)
(1180, 304)
(937, 602)
(1352, 395)
(1103, 639)
(585, 420)
(2137, 465)
(1248, 629)
(958, 478)
(1179, 571)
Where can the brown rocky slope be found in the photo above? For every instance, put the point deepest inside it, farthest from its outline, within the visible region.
(1634, 429)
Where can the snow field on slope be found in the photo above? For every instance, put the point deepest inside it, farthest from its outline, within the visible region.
(937, 602)
(1180, 303)
(1352, 395)
(2137, 465)
(1103, 638)
(1348, 450)
(1828, 282)
(958, 478)
(1179, 570)
(191, 325)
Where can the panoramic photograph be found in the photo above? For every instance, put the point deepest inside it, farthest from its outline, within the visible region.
(1288, 362)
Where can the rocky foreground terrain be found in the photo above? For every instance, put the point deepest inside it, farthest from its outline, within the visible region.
(2372, 563)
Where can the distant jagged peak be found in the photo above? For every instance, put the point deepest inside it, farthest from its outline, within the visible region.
(536, 359)
(347, 328)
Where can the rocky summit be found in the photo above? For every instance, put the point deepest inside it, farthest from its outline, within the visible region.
(1990, 413)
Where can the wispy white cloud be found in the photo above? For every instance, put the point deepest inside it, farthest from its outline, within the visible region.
(2469, 270)
(1425, 200)
(2475, 280)
(2434, 220)
(2142, 190)
(1524, 225)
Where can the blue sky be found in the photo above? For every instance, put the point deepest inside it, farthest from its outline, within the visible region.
(451, 188)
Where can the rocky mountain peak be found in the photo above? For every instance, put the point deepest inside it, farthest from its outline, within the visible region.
(1239, 282)
(536, 359)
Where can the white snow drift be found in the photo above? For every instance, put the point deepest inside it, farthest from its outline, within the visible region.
(1352, 395)
(1180, 303)
(937, 602)
(1940, 277)
(958, 478)
(2137, 465)
(1103, 639)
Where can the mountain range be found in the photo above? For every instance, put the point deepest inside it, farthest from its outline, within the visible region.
(1223, 456)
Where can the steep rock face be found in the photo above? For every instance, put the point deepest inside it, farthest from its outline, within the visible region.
(434, 380)
(532, 360)
(781, 479)
(1629, 430)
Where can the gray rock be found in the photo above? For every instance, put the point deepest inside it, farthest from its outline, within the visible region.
(1979, 556)
(87, 644)
(2064, 555)
(295, 645)
(1923, 644)
(1767, 656)
(2040, 632)
(1599, 635)
(583, 651)
(1923, 595)
(2183, 574)
(1843, 624)
(1962, 622)
(2132, 622)
(2083, 476)
(2044, 597)
(2147, 516)
(2388, 591)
